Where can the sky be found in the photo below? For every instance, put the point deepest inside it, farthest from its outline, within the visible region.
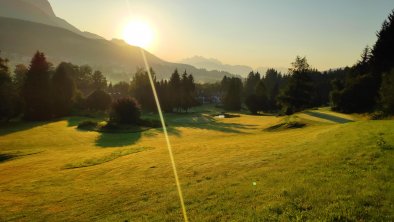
(269, 33)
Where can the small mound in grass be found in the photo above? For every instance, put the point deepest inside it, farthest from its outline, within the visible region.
(291, 122)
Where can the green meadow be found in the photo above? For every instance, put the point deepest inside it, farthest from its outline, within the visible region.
(313, 166)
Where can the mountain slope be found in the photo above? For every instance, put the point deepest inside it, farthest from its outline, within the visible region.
(214, 64)
(39, 11)
(20, 39)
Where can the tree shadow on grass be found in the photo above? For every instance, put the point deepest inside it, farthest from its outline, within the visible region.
(201, 121)
(6, 157)
(17, 126)
(329, 117)
(107, 140)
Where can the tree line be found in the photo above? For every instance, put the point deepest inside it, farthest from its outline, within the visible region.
(367, 86)
(43, 92)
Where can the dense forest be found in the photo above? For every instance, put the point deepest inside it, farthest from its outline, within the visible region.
(42, 91)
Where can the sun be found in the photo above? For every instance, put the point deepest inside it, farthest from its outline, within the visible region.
(138, 33)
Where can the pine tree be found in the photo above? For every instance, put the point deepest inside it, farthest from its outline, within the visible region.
(99, 81)
(9, 105)
(141, 89)
(232, 98)
(63, 89)
(382, 55)
(298, 93)
(175, 90)
(387, 93)
(251, 82)
(37, 89)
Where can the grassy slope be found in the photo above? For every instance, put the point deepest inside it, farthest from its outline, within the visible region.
(324, 171)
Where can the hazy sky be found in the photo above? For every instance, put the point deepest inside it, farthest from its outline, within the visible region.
(331, 33)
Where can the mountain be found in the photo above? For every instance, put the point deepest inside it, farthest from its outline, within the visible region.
(19, 40)
(39, 11)
(263, 69)
(214, 64)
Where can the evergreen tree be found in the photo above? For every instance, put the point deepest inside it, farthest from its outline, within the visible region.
(297, 95)
(163, 89)
(99, 81)
(360, 92)
(141, 89)
(175, 90)
(273, 82)
(382, 55)
(84, 79)
(232, 98)
(9, 105)
(99, 100)
(262, 96)
(63, 89)
(20, 76)
(37, 89)
(387, 92)
(120, 89)
(251, 82)
(252, 102)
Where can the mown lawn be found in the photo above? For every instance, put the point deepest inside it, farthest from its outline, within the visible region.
(324, 171)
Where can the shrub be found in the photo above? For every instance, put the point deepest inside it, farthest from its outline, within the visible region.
(87, 125)
(125, 111)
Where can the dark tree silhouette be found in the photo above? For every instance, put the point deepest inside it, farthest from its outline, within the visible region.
(99, 81)
(37, 89)
(99, 100)
(232, 98)
(20, 76)
(9, 98)
(360, 90)
(175, 90)
(141, 89)
(382, 55)
(63, 89)
(187, 92)
(166, 101)
(252, 102)
(125, 111)
(387, 92)
(297, 95)
(251, 82)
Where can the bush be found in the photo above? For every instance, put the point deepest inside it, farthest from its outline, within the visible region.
(98, 100)
(125, 111)
(87, 125)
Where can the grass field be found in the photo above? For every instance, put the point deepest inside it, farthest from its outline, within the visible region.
(326, 170)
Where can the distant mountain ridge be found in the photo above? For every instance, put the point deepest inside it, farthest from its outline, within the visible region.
(20, 39)
(30, 25)
(39, 11)
(215, 64)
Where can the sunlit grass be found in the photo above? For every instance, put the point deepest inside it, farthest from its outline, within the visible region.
(323, 171)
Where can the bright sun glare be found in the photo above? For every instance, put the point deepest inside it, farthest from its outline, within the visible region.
(138, 33)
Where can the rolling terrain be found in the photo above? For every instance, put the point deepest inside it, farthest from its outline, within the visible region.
(247, 168)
